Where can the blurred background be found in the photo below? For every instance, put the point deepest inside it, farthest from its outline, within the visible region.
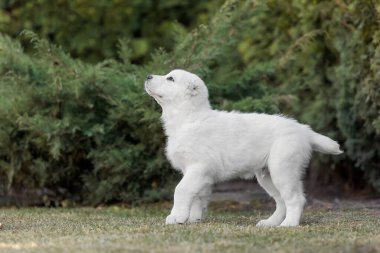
(77, 128)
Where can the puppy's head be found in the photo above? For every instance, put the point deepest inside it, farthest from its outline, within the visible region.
(178, 88)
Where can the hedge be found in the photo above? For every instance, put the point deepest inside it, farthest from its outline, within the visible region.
(90, 133)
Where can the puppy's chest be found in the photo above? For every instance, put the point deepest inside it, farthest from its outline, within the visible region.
(177, 153)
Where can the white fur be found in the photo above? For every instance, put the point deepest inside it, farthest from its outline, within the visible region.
(210, 146)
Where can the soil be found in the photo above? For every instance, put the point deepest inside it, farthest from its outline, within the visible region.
(241, 193)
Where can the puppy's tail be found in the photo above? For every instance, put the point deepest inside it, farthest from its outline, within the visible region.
(324, 144)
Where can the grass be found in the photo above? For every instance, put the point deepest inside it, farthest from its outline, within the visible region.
(117, 229)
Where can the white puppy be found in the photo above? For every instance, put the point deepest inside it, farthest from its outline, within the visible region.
(210, 146)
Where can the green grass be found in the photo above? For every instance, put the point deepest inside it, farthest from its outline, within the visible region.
(116, 229)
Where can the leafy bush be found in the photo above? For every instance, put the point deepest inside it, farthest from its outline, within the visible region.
(331, 65)
(328, 53)
(90, 29)
(91, 130)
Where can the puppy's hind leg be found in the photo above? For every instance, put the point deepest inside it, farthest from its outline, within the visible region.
(286, 163)
(278, 216)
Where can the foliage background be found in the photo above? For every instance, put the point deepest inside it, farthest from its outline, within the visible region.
(90, 30)
(78, 124)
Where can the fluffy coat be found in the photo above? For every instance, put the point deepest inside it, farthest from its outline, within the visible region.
(210, 146)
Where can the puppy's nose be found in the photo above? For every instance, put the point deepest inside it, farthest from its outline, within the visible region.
(149, 77)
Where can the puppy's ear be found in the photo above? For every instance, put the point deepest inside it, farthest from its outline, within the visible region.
(192, 89)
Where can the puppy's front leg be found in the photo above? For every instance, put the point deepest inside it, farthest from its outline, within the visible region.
(199, 205)
(192, 183)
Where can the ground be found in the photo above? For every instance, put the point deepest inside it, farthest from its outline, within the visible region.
(230, 227)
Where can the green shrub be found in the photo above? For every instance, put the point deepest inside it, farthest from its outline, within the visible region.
(90, 130)
(90, 29)
(328, 65)
(68, 124)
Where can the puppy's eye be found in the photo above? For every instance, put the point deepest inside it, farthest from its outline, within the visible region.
(170, 78)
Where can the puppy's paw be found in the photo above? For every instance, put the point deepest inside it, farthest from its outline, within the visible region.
(195, 218)
(175, 219)
(287, 223)
(267, 223)
(170, 220)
